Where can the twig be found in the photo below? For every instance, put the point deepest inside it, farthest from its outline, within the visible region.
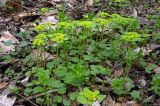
(19, 4)
(35, 96)
(24, 98)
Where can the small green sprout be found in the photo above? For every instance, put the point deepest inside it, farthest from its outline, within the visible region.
(86, 96)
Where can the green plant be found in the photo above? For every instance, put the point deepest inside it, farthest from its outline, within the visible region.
(150, 67)
(98, 69)
(123, 23)
(122, 85)
(44, 83)
(15, 90)
(82, 56)
(74, 74)
(86, 96)
(156, 84)
(130, 39)
(120, 3)
(47, 35)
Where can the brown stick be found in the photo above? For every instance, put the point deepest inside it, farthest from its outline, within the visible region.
(19, 4)
(35, 96)
(27, 100)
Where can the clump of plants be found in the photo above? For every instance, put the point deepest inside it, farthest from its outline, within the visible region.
(82, 49)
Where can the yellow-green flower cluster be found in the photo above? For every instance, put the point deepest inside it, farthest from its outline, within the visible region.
(101, 21)
(86, 24)
(103, 14)
(131, 36)
(43, 27)
(91, 96)
(40, 40)
(116, 16)
(58, 37)
(64, 25)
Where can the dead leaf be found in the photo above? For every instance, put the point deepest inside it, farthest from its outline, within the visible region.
(148, 99)
(4, 99)
(147, 49)
(135, 14)
(157, 70)
(118, 73)
(3, 85)
(109, 63)
(118, 104)
(7, 36)
(46, 55)
(24, 82)
(108, 101)
(96, 103)
(50, 19)
(132, 103)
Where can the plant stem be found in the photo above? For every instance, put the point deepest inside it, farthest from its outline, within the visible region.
(57, 53)
(102, 33)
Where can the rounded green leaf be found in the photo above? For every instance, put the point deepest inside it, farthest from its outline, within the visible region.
(66, 102)
(57, 99)
(81, 99)
(73, 95)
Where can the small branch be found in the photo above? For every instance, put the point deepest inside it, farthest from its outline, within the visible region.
(24, 98)
(35, 96)
(19, 4)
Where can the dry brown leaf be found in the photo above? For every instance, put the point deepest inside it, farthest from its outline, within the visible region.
(118, 73)
(46, 55)
(149, 48)
(7, 36)
(108, 101)
(5, 100)
(118, 104)
(132, 103)
(3, 85)
(157, 70)
(96, 103)
(109, 63)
